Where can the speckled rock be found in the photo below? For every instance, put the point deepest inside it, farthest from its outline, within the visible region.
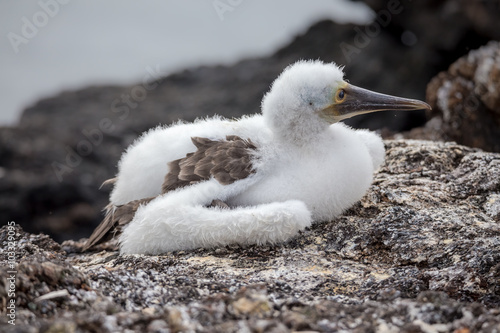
(419, 253)
(466, 99)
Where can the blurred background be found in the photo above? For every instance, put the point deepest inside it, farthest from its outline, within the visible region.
(85, 43)
(82, 79)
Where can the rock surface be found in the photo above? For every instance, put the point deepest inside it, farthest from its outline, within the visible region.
(53, 162)
(419, 253)
(451, 24)
(466, 100)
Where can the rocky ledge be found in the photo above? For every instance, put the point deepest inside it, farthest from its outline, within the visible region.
(419, 253)
(466, 100)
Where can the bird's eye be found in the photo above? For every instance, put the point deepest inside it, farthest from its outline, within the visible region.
(340, 95)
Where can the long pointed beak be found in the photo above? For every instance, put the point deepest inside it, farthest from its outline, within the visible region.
(355, 101)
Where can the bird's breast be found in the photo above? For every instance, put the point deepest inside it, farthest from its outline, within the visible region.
(328, 177)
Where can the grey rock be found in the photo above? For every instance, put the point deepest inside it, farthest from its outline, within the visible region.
(466, 99)
(420, 252)
(445, 27)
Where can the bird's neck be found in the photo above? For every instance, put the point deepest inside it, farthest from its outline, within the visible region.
(300, 136)
(294, 127)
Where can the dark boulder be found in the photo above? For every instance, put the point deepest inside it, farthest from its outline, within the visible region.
(466, 99)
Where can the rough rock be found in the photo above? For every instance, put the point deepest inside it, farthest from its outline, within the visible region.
(466, 100)
(450, 25)
(419, 253)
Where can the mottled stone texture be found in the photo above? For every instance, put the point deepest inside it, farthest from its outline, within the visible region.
(466, 99)
(419, 253)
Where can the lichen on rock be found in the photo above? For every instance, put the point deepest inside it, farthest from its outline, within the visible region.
(420, 252)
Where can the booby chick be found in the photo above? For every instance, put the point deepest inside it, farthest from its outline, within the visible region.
(260, 179)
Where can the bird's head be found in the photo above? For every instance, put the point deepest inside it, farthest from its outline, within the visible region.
(311, 95)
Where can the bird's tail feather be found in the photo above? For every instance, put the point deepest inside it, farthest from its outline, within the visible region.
(162, 226)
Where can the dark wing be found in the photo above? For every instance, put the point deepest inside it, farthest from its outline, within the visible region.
(226, 160)
(116, 218)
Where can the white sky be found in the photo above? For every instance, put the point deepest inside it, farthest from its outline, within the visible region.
(84, 42)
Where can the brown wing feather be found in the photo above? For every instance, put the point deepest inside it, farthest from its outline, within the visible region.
(111, 181)
(226, 160)
(116, 218)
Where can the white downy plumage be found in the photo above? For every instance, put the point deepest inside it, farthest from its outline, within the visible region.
(308, 167)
